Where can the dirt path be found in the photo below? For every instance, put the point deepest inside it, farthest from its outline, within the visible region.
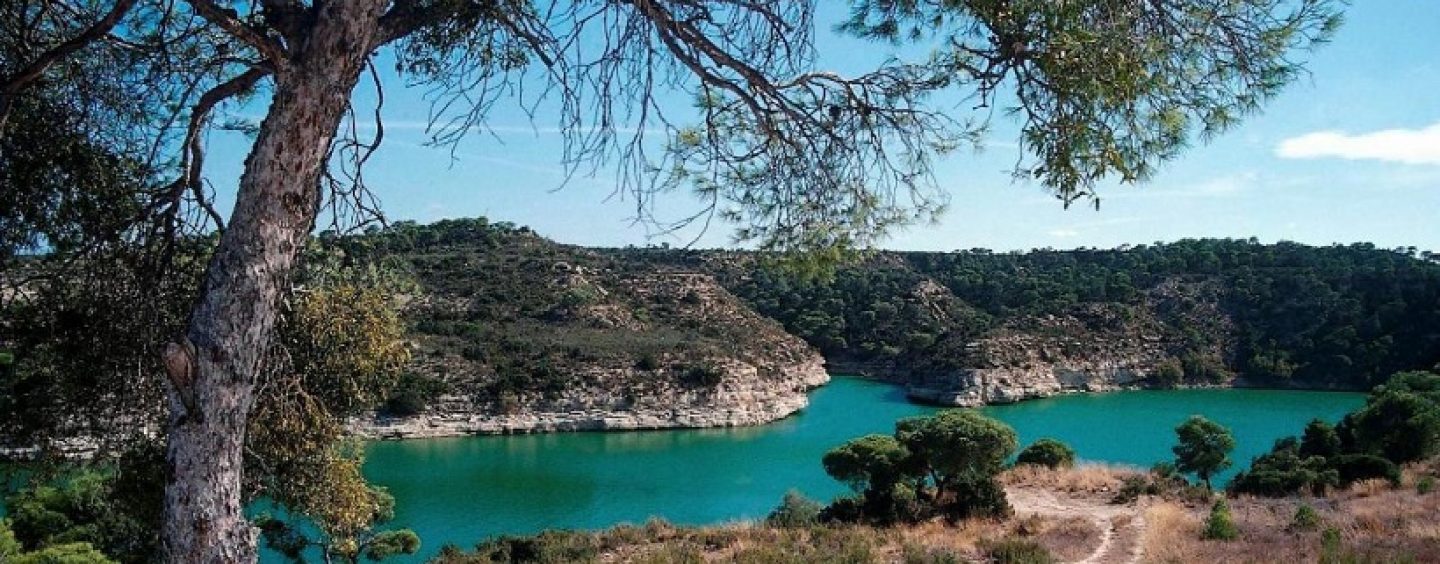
(1121, 526)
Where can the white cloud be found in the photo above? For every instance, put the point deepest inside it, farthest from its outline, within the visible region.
(1408, 146)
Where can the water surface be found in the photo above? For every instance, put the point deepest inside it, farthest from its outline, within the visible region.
(462, 490)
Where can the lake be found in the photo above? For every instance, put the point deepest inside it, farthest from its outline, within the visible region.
(462, 490)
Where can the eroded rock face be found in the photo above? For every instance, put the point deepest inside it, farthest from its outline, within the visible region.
(743, 397)
(1097, 348)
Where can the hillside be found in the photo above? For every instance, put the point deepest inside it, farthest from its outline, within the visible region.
(514, 333)
(517, 333)
(975, 326)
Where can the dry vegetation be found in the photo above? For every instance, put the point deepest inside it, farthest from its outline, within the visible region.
(1369, 522)
(1069, 513)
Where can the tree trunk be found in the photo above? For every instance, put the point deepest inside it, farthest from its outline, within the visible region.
(213, 371)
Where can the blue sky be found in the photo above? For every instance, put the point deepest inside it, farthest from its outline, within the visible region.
(1350, 153)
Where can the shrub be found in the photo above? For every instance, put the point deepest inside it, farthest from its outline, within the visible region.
(647, 362)
(1015, 551)
(1131, 488)
(1168, 374)
(703, 376)
(412, 395)
(845, 509)
(1049, 453)
(1306, 519)
(1220, 525)
(1425, 485)
(795, 511)
(549, 547)
(1357, 467)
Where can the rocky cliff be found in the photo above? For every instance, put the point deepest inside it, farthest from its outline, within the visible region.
(1092, 348)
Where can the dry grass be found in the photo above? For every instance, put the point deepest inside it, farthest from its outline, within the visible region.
(1372, 522)
(1087, 478)
(1068, 539)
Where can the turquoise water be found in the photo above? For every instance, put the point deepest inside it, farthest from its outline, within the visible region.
(463, 490)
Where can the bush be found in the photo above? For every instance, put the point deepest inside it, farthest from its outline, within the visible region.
(1425, 485)
(1049, 453)
(845, 509)
(647, 362)
(412, 395)
(1168, 374)
(703, 376)
(1131, 488)
(1306, 519)
(549, 547)
(795, 511)
(1220, 525)
(1358, 467)
(1015, 551)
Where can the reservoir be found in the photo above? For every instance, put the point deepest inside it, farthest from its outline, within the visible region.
(462, 490)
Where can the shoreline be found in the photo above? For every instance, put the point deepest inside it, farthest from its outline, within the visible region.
(435, 426)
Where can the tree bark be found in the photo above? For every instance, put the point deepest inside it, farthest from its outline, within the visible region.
(213, 371)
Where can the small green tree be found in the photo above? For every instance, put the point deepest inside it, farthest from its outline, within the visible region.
(1306, 519)
(1204, 447)
(1049, 453)
(1220, 525)
(795, 511)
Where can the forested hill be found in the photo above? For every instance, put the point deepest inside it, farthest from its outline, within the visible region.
(1194, 311)
(1276, 314)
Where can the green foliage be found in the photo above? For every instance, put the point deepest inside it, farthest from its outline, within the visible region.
(1168, 374)
(1400, 420)
(1425, 485)
(412, 394)
(1287, 470)
(1203, 448)
(961, 451)
(549, 547)
(1319, 439)
(1344, 316)
(1015, 551)
(1220, 525)
(392, 543)
(105, 509)
(869, 464)
(1305, 519)
(944, 463)
(1049, 453)
(795, 512)
(1359, 467)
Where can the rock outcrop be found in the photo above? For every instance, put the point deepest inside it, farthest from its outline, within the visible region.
(1095, 348)
(743, 397)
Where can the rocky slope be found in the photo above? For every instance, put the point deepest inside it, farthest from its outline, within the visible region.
(1094, 348)
(515, 334)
